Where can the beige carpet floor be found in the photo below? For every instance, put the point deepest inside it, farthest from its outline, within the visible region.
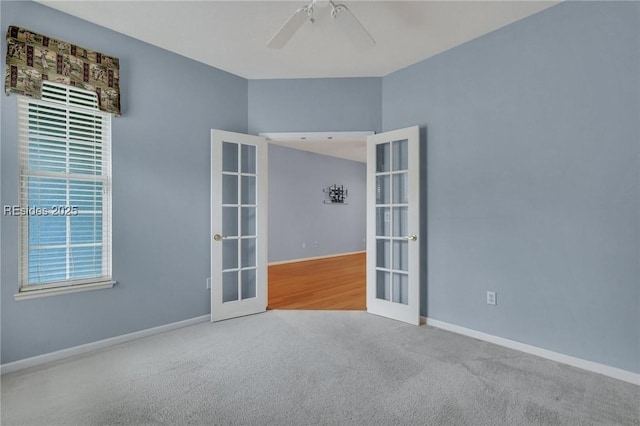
(313, 367)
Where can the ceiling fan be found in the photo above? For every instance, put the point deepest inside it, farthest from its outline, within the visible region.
(340, 14)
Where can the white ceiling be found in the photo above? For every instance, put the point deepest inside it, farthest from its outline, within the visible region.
(347, 150)
(232, 35)
(347, 145)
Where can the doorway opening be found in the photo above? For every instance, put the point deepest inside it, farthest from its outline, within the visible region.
(317, 248)
(239, 194)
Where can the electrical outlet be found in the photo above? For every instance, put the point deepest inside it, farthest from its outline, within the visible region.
(208, 283)
(491, 298)
(304, 245)
(316, 244)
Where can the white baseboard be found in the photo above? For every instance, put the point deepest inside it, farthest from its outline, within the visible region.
(616, 373)
(100, 344)
(305, 259)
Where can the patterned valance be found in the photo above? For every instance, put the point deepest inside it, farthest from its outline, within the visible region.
(32, 58)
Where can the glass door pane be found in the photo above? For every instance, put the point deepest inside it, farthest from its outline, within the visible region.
(392, 221)
(239, 249)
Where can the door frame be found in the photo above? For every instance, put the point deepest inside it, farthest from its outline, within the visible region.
(369, 245)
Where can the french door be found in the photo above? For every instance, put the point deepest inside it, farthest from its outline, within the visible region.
(238, 225)
(393, 224)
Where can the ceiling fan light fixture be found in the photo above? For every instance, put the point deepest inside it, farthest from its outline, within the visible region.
(339, 12)
(336, 9)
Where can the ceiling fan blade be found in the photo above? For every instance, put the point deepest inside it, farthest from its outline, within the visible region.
(352, 27)
(284, 34)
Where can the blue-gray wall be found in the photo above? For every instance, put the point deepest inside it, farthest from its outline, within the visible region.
(297, 177)
(532, 179)
(533, 143)
(297, 214)
(160, 186)
(315, 105)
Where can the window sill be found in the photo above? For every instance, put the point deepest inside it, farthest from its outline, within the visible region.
(45, 292)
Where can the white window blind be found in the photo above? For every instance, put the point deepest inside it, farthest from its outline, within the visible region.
(65, 189)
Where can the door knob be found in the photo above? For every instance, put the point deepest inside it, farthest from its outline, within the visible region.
(219, 237)
(413, 237)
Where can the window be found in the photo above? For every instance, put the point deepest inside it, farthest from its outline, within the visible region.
(65, 192)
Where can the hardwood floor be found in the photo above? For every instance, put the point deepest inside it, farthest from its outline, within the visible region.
(335, 283)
